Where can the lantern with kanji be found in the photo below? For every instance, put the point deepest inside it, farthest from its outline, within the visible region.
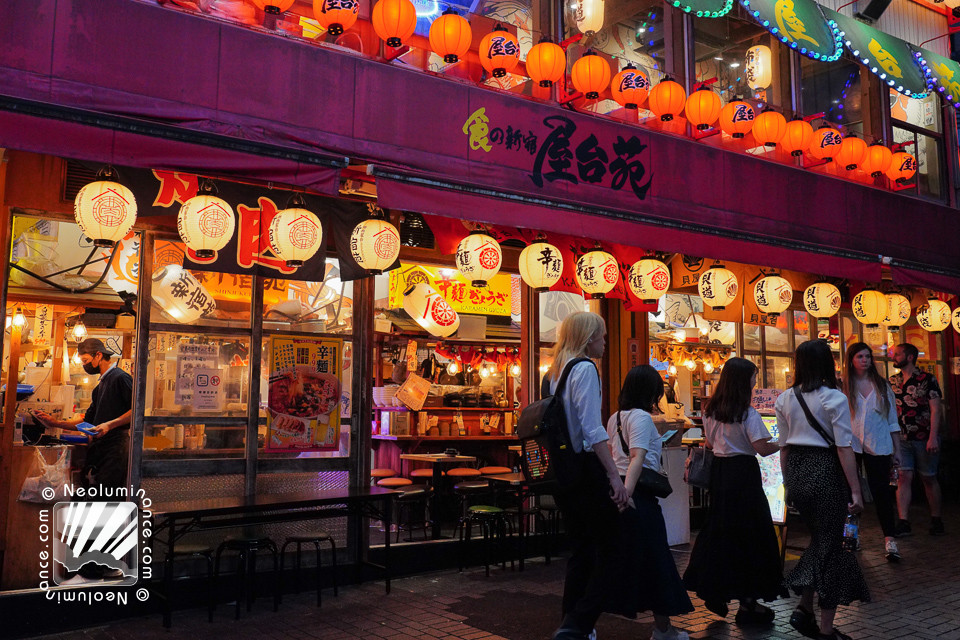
(499, 52)
(758, 67)
(546, 62)
(898, 310)
(394, 21)
(375, 245)
(826, 143)
(275, 7)
(206, 224)
(180, 295)
(703, 108)
(479, 258)
(630, 87)
(590, 75)
(956, 319)
(336, 16)
(797, 137)
(773, 295)
(430, 310)
(105, 211)
(718, 287)
(870, 307)
(295, 235)
(540, 265)
(934, 316)
(667, 99)
(450, 36)
(852, 150)
(649, 279)
(902, 167)
(769, 128)
(821, 300)
(588, 16)
(597, 273)
(736, 118)
(876, 160)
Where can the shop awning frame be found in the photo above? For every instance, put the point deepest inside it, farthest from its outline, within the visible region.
(774, 18)
(942, 74)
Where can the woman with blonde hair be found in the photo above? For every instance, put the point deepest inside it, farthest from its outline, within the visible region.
(590, 507)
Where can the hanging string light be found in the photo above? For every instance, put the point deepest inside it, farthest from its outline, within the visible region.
(79, 331)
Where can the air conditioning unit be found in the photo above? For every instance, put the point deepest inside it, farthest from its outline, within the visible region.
(358, 188)
(872, 12)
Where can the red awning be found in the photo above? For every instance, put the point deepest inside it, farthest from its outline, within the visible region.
(917, 278)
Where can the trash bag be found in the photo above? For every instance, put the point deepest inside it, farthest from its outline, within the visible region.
(47, 482)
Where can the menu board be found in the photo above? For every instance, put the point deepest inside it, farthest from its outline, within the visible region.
(771, 476)
(303, 399)
(191, 357)
(764, 400)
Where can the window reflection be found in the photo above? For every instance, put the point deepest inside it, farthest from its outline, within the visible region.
(833, 88)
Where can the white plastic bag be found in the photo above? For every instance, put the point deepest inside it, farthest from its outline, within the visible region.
(46, 483)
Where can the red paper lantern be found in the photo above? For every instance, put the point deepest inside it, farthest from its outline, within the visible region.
(703, 108)
(769, 128)
(667, 99)
(275, 7)
(797, 137)
(336, 16)
(394, 21)
(902, 167)
(499, 52)
(736, 118)
(450, 36)
(590, 75)
(876, 160)
(630, 87)
(546, 62)
(852, 150)
(826, 143)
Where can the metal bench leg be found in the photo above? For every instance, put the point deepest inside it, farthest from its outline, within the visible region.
(333, 554)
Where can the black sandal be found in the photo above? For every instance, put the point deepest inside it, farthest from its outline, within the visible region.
(836, 634)
(805, 623)
(754, 613)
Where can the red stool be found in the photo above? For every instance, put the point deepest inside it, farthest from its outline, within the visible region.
(423, 473)
(382, 473)
(459, 473)
(394, 483)
(494, 471)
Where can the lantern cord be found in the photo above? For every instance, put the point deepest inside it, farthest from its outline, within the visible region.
(46, 280)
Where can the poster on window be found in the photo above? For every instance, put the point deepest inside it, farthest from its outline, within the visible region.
(190, 358)
(303, 394)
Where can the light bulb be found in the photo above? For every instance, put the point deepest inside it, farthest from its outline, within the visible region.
(79, 331)
(86, 380)
(690, 364)
(515, 370)
(544, 368)
(453, 368)
(76, 359)
(704, 330)
(19, 320)
(707, 367)
(680, 336)
(672, 369)
(484, 371)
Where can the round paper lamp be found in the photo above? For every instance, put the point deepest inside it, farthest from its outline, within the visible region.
(797, 137)
(546, 62)
(597, 273)
(717, 287)
(876, 160)
(499, 52)
(450, 36)
(630, 87)
(821, 300)
(773, 294)
(589, 16)
(769, 128)
(956, 319)
(852, 150)
(295, 235)
(826, 143)
(667, 99)
(335, 16)
(273, 6)
(870, 307)
(898, 310)
(590, 75)
(703, 108)
(479, 258)
(394, 21)
(375, 245)
(934, 316)
(736, 118)
(649, 279)
(430, 310)
(758, 68)
(540, 265)
(105, 211)
(180, 295)
(902, 167)
(206, 224)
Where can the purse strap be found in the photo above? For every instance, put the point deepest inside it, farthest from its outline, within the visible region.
(812, 420)
(623, 443)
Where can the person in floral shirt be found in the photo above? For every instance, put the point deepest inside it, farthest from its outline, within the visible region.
(919, 411)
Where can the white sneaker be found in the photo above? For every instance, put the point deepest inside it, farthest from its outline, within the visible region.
(672, 633)
(593, 635)
(892, 552)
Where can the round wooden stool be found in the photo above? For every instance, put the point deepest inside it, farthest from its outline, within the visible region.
(394, 483)
(494, 471)
(458, 473)
(382, 473)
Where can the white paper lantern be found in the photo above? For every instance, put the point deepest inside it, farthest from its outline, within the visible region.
(934, 316)
(773, 295)
(430, 310)
(956, 319)
(206, 224)
(541, 265)
(898, 310)
(375, 245)
(589, 16)
(479, 258)
(180, 295)
(105, 212)
(295, 235)
(870, 307)
(758, 67)
(821, 300)
(718, 287)
(597, 273)
(649, 279)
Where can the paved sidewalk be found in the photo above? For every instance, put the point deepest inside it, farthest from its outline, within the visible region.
(917, 599)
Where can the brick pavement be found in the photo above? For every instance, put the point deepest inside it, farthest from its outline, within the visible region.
(918, 599)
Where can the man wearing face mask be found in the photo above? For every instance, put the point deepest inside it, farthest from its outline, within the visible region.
(109, 412)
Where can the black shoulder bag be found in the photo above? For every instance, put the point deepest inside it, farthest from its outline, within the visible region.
(655, 482)
(812, 420)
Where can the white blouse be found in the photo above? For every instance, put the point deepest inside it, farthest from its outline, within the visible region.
(581, 405)
(639, 432)
(736, 439)
(828, 406)
(871, 426)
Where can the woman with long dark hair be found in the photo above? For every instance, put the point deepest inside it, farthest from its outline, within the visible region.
(820, 474)
(876, 435)
(736, 555)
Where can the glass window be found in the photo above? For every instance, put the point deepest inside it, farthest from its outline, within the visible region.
(310, 307)
(924, 113)
(751, 337)
(801, 327)
(554, 307)
(778, 372)
(927, 150)
(778, 337)
(832, 88)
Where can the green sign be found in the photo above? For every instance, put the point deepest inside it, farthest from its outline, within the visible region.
(799, 25)
(705, 8)
(944, 74)
(889, 58)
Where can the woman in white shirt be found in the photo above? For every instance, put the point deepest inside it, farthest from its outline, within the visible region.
(648, 578)
(736, 555)
(820, 474)
(876, 435)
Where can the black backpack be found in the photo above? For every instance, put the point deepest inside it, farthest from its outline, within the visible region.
(547, 456)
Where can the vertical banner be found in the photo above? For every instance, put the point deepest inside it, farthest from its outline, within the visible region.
(43, 325)
(304, 394)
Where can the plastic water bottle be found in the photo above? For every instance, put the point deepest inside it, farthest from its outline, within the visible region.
(851, 530)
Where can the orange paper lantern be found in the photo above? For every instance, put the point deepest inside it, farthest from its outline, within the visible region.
(546, 62)
(499, 52)
(336, 16)
(852, 150)
(826, 143)
(736, 119)
(876, 160)
(590, 75)
(703, 108)
(797, 137)
(273, 6)
(769, 128)
(394, 21)
(450, 36)
(630, 87)
(902, 167)
(667, 99)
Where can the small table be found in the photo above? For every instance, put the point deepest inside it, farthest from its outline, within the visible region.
(519, 482)
(437, 460)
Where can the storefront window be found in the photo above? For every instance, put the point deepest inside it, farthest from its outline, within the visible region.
(834, 89)
(919, 112)
(778, 372)
(801, 327)
(751, 337)
(778, 337)
(554, 307)
(311, 307)
(927, 150)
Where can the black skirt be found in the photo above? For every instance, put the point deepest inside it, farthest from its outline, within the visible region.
(818, 489)
(736, 555)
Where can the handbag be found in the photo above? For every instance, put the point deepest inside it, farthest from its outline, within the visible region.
(655, 482)
(698, 473)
